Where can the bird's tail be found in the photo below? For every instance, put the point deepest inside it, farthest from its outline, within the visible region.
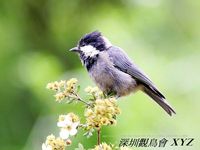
(160, 99)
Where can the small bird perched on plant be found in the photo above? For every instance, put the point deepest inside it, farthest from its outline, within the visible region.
(113, 71)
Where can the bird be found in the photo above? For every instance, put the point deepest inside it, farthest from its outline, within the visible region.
(113, 71)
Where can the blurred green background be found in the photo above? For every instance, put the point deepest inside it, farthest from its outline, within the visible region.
(161, 36)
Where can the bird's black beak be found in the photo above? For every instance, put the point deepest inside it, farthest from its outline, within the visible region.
(74, 49)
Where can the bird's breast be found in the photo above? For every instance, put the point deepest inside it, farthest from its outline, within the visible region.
(110, 79)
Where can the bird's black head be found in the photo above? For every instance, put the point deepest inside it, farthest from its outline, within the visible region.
(93, 39)
(89, 47)
(92, 42)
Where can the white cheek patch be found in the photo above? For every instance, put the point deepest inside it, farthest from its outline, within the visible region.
(89, 50)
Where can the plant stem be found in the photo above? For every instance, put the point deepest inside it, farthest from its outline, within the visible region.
(98, 136)
(81, 100)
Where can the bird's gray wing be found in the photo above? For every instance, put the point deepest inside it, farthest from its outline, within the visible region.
(122, 62)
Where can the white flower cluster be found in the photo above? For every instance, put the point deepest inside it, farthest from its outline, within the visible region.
(64, 89)
(100, 110)
(95, 92)
(53, 143)
(68, 125)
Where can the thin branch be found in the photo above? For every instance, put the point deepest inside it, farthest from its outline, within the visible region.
(99, 136)
(81, 100)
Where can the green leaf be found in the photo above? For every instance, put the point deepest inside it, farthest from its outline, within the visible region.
(80, 147)
(89, 133)
(78, 88)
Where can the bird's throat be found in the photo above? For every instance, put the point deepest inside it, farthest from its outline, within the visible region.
(88, 61)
